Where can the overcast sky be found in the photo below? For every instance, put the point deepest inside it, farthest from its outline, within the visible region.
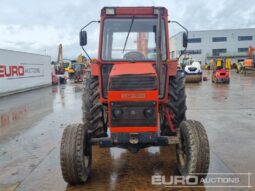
(39, 26)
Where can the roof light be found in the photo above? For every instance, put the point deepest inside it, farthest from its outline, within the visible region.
(156, 11)
(110, 11)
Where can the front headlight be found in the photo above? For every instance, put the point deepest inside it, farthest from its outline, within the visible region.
(148, 112)
(117, 113)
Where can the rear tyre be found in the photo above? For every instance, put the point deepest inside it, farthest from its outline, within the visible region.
(193, 153)
(93, 111)
(177, 102)
(75, 154)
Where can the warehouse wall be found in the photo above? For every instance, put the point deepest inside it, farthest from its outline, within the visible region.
(206, 45)
(21, 71)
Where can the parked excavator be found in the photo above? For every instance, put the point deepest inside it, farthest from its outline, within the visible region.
(60, 66)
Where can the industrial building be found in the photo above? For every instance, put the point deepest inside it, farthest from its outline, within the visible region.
(208, 44)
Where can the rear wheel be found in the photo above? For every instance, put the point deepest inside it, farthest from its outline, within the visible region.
(192, 153)
(177, 102)
(75, 154)
(93, 111)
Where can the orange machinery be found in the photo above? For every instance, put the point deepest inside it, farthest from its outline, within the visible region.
(134, 96)
(250, 63)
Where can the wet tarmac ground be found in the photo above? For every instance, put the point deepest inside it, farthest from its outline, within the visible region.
(31, 126)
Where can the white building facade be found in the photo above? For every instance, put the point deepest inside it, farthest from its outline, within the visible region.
(205, 45)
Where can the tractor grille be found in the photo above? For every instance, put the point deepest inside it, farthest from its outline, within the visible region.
(132, 82)
(133, 114)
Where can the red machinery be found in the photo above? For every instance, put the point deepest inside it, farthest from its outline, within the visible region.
(220, 72)
(135, 92)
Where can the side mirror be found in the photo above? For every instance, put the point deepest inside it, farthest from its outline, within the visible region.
(185, 40)
(83, 38)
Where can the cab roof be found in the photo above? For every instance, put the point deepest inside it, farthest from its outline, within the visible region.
(127, 11)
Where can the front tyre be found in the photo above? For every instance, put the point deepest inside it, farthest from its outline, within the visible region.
(93, 111)
(193, 153)
(75, 154)
(176, 104)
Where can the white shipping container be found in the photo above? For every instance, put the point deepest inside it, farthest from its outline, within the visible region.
(20, 71)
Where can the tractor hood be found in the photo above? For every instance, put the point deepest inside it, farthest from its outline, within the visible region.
(133, 69)
(124, 77)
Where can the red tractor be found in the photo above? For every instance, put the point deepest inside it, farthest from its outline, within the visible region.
(134, 96)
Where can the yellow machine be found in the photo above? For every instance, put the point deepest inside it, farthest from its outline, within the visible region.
(239, 67)
(206, 66)
(80, 60)
(69, 68)
(76, 68)
(63, 64)
(219, 63)
(228, 63)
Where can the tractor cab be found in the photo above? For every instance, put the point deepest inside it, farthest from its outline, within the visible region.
(134, 62)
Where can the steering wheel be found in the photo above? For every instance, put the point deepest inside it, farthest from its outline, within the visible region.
(134, 56)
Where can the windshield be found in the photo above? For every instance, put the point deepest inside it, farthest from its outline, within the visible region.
(140, 42)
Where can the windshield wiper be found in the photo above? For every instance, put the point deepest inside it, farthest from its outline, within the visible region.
(128, 33)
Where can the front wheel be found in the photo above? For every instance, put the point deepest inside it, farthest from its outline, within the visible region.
(193, 153)
(176, 104)
(75, 154)
(93, 111)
